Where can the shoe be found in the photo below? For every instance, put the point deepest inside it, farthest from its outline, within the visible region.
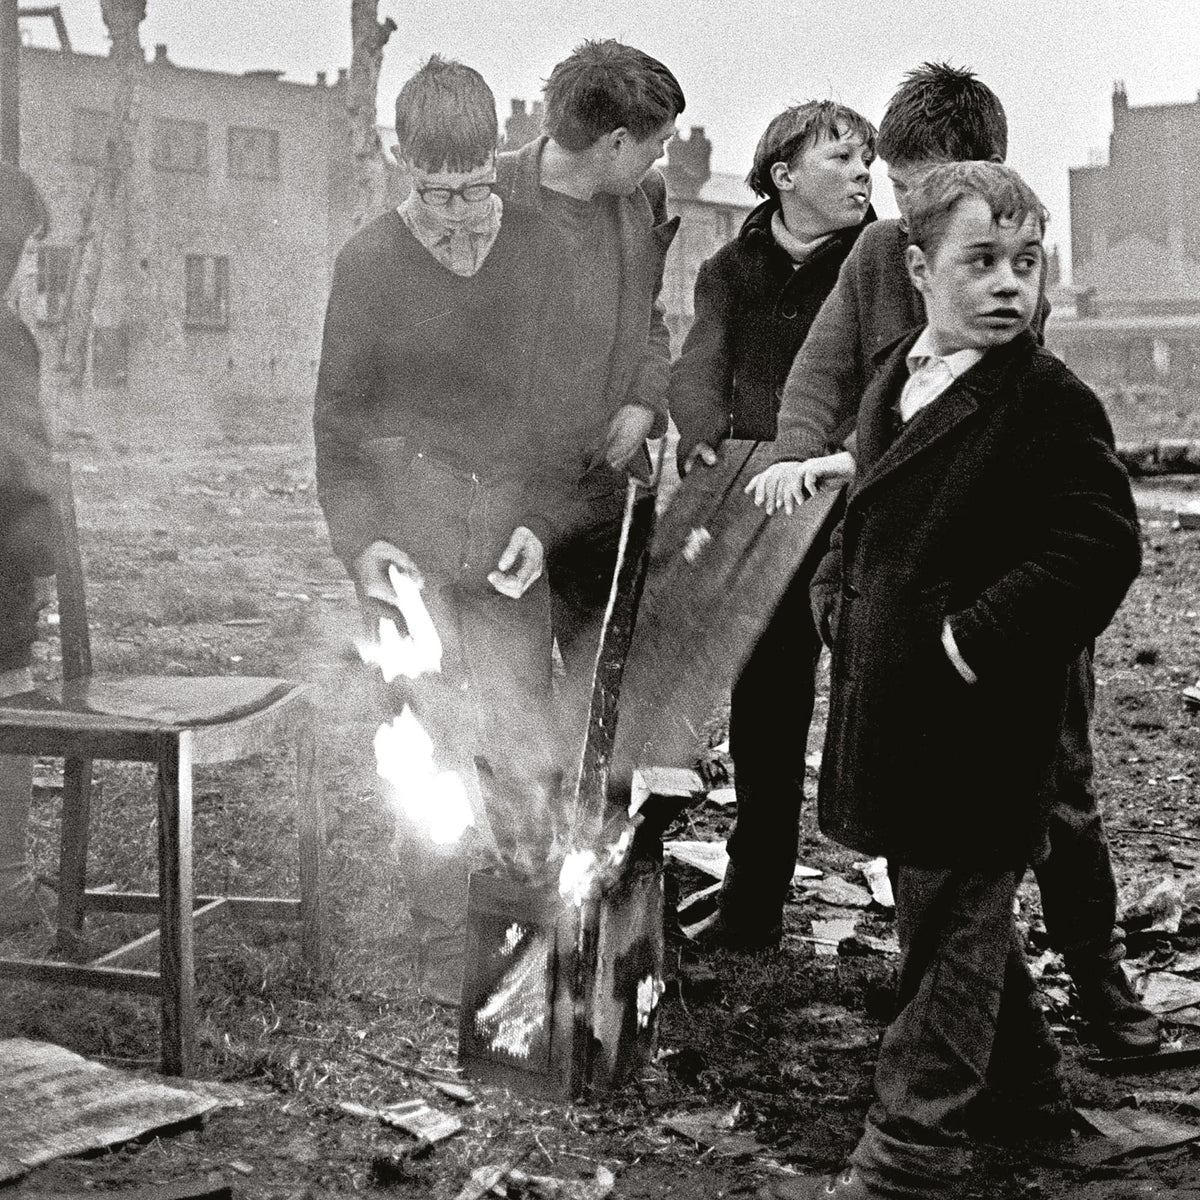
(441, 963)
(1036, 1113)
(718, 932)
(848, 1185)
(1117, 1021)
(27, 904)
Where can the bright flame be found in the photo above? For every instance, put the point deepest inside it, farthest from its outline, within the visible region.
(583, 871)
(436, 800)
(419, 652)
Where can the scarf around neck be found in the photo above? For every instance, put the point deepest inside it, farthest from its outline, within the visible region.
(462, 250)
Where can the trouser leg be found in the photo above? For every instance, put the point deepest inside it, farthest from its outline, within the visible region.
(770, 711)
(960, 963)
(1079, 891)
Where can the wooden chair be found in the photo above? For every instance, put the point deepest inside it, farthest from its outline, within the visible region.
(173, 722)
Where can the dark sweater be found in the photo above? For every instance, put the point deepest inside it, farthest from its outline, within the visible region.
(26, 516)
(449, 363)
(753, 310)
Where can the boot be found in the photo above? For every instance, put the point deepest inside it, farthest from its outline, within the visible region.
(846, 1185)
(744, 922)
(1119, 1023)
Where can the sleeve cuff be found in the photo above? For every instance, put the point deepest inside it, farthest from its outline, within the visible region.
(952, 653)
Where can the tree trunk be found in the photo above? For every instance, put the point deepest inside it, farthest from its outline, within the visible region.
(101, 210)
(369, 36)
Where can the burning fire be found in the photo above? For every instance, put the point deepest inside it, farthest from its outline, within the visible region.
(437, 800)
(416, 653)
(585, 871)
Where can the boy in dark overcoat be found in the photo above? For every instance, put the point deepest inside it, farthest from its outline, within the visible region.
(943, 114)
(954, 619)
(755, 300)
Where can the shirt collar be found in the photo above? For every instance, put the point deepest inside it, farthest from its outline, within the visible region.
(922, 354)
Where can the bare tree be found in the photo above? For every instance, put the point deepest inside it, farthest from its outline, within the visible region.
(369, 36)
(101, 209)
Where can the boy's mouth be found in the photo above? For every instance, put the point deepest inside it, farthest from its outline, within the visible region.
(1002, 314)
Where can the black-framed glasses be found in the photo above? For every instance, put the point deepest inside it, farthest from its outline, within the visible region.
(472, 193)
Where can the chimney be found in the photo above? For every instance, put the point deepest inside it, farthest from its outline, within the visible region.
(522, 126)
(1120, 101)
(321, 78)
(342, 75)
(160, 54)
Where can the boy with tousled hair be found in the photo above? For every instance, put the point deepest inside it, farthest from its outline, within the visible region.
(26, 543)
(872, 306)
(755, 300)
(954, 622)
(609, 110)
(427, 456)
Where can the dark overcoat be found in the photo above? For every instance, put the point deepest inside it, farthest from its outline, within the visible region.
(1002, 507)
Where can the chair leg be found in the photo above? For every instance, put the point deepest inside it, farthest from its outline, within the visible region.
(310, 803)
(72, 863)
(177, 965)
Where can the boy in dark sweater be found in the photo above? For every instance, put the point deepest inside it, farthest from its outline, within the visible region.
(954, 623)
(755, 300)
(26, 542)
(942, 114)
(426, 464)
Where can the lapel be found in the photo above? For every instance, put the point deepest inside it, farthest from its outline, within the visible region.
(966, 396)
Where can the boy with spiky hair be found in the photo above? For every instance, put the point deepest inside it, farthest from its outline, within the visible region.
(942, 114)
(426, 461)
(609, 110)
(954, 622)
(26, 542)
(755, 300)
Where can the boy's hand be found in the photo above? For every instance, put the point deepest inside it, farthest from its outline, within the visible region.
(830, 468)
(371, 570)
(779, 486)
(521, 564)
(627, 434)
(700, 452)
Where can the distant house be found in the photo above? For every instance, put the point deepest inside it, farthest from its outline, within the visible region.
(236, 201)
(1135, 225)
(711, 207)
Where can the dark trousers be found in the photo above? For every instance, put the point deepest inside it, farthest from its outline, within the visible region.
(967, 1017)
(488, 711)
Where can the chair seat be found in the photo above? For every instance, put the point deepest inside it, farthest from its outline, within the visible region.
(145, 703)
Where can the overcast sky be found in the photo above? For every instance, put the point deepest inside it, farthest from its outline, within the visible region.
(1053, 62)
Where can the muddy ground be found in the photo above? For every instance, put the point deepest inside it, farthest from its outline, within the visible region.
(206, 553)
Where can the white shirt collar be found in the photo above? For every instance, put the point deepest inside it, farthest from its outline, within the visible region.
(958, 363)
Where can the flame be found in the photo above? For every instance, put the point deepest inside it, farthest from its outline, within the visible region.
(436, 800)
(584, 872)
(416, 653)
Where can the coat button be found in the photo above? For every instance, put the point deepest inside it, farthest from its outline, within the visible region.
(850, 592)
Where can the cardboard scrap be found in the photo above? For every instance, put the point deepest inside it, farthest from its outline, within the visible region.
(1166, 992)
(709, 857)
(1152, 905)
(1131, 1131)
(837, 891)
(663, 781)
(421, 1121)
(1180, 1101)
(722, 797)
(550, 1187)
(875, 873)
(827, 934)
(55, 1103)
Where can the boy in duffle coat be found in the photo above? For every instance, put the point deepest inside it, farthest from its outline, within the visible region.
(990, 535)
(755, 300)
(944, 114)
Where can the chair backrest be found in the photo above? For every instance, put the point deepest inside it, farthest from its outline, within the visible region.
(72, 596)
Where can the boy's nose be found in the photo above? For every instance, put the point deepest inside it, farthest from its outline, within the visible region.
(1005, 282)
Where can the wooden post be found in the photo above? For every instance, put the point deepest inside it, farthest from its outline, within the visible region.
(310, 818)
(10, 84)
(177, 968)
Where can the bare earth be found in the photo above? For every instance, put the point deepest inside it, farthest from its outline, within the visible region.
(206, 553)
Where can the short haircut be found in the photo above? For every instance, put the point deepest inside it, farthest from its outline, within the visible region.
(942, 113)
(446, 117)
(938, 191)
(796, 129)
(22, 209)
(603, 86)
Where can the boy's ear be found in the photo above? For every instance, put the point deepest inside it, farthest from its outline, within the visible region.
(781, 176)
(612, 142)
(918, 267)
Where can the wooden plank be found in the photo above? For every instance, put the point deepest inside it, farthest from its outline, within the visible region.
(132, 951)
(267, 908)
(718, 568)
(112, 979)
(177, 966)
(72, 864)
